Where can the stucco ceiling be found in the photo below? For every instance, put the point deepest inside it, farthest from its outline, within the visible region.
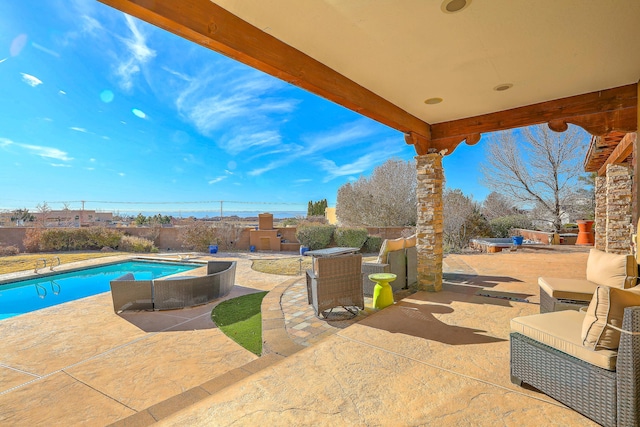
(407, 51)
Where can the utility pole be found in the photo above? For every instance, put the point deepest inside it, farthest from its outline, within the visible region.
(221, 210)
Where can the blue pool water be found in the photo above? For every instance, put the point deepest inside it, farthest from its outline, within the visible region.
(29, 295)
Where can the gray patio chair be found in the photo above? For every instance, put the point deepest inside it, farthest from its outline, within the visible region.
(336, 282)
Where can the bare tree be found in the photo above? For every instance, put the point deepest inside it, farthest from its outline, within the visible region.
(462, 220)
(43, 213)
(537, 167)
(387, 198)
(497, 205)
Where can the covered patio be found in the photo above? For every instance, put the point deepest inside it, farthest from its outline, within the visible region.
(441, 73)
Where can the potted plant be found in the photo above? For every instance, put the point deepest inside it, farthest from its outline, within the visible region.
(516, 237)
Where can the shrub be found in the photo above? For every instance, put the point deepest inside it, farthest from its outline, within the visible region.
(136, 244)
(501, 227)
(199, 235)
(350, 237)
(92, 238)
(315, 236)
(227, 235)
(373, 244)
(31, 240)
(9, 250)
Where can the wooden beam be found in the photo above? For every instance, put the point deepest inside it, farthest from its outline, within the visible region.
(620, 153)
(597, 112)
(213, 27)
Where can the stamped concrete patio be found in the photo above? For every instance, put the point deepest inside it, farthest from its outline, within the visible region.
(431, 359)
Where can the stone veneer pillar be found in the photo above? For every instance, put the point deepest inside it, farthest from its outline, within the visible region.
(618, 225)
(600, 223)
(429, 224)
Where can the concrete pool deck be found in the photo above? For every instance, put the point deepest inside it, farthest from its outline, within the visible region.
(431, 359)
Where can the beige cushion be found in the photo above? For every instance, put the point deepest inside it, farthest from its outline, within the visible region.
(572, 289)
(389, 245)
(607, 306)
(618, 271)
(410, 241)
(561, 330)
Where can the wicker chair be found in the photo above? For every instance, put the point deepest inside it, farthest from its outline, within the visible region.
(609, 397)
(336, 282)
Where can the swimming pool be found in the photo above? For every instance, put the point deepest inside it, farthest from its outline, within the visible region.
(34, 294)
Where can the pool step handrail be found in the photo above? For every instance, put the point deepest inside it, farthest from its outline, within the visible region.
(44, 290)
(44, 264)
(55, 287)
(53, 264)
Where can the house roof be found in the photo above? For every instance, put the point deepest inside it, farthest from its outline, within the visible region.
(494, 64)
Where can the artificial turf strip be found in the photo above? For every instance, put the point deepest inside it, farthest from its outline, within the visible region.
(241, 320)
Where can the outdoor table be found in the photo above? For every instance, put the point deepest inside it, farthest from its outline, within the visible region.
(382, 292)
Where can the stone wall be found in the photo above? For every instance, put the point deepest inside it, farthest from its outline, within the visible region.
(600, 224)
(430, 221)
(618, 209)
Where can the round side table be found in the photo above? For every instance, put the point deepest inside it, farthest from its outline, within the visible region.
(382, 292)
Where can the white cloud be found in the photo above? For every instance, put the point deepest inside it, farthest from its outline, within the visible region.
(60, 165)
(45, 50)
(61, 92)
(2, 60)
(32, 81)
(138, 55)
(77, 129)
(121, 174)
(259, 140)
(218, 179)
(360, 165)
(38, 150)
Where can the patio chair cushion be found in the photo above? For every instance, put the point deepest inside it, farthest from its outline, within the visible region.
(618, 271)
(410, 241)
(562, 330)
(569, 289)
(607, 306)
(389, 245)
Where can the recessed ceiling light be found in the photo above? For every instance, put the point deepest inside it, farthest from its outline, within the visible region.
(503, 87)
(454, 6)
(432, 101)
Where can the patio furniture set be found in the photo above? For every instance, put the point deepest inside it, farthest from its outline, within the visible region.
(583, 349)
(339, 278)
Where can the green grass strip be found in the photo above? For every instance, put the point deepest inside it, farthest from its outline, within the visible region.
(241, 320)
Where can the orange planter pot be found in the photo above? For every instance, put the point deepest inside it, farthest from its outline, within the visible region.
(585, 233)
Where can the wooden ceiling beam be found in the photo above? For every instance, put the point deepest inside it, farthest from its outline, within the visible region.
(620, 153)
(598, 113)
(213, 27)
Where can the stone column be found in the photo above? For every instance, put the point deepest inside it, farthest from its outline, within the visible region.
(429, 223)
(600, 225)
(619, 187)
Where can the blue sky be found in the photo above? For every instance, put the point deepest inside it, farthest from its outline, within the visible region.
(102, 107)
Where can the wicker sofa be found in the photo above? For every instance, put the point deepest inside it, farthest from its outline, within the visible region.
(397, 256)
(128, 294)
(577, 358)
(602, 269)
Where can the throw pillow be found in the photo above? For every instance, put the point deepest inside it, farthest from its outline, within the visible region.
(607, 306)
(389, 245)
(619, 271)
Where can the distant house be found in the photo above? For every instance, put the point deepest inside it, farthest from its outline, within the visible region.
(74, 218)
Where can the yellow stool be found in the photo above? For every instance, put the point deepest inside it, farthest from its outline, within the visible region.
(382, 292)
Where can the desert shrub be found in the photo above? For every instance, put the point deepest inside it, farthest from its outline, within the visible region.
(102, 236)
(315, 236)
(350, 237)
(136, 244)
(227, 235)
(501, 227)
(91, 238)
(199, 235)
(31, 240)
(373, 244)
(9, 250)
